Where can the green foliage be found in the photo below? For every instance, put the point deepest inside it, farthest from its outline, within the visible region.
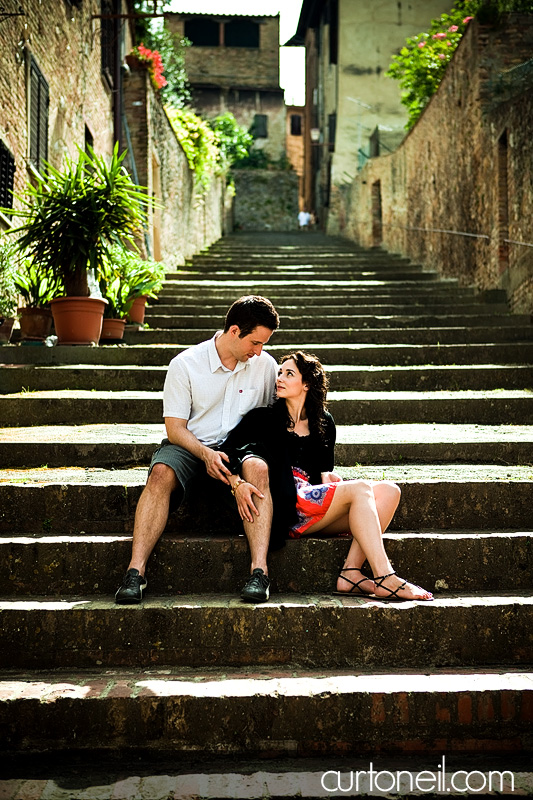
(35, 284)
(127, 276)
(198, 141)
(233, 140)
(155, 35)
(71, 216)
(8, 289)
(420, 65)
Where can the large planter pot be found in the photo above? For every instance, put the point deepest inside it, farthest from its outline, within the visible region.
(78, 320)
(35, 323)
(112, 330)
(136, 312)
(6, 326)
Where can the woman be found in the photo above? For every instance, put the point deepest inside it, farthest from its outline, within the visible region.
(296, 437)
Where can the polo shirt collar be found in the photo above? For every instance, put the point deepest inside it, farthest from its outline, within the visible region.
(214, 358)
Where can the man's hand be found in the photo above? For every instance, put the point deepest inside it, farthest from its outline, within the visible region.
(244, 495)
(214, 463)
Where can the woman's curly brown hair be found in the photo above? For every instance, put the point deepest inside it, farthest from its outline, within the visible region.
(314, 375)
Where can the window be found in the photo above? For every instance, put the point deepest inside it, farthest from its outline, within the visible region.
(202, 32)
(241, 33)
(333, 30)
(39, 102)
(296, 125)
(107, 42)
(7, 173)
(259, 129)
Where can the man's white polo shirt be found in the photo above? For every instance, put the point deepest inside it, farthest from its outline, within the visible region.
(213, 398)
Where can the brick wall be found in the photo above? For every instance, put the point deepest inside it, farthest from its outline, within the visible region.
(265, 200)
(65, 42)
(465, 167)
(187, 221)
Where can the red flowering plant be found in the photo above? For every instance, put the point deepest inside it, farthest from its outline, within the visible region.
(155, 64)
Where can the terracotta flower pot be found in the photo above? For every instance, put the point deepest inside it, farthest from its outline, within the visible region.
(6, 326)
(35, 323)
(78, 320)
(136, 312)
(112, 330)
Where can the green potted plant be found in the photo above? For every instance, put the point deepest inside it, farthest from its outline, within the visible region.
(8, 290)
(37, 287)
(143, 278)
(70, 218)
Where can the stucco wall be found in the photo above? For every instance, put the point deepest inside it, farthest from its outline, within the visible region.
(450, 172)
(265, 200)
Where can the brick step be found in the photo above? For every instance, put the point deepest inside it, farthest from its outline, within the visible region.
(487, 407)
(117, 445)
(275, 712)
(487, 354)
(18, 377)
(450, 561)
(443, 320)
(462, 305)
(294, 630)
(74, 500)
(420, 335)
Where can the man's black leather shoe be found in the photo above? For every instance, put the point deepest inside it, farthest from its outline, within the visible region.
(256, 589)
(131, 591)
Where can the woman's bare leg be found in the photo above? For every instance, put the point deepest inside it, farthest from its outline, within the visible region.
(355, 502)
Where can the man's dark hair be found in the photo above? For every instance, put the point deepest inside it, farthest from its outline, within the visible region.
(250, 311)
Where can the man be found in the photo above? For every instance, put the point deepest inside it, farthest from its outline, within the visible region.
(208, 389)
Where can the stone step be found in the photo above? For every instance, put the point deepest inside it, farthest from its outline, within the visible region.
(161, 775)
(19, 378)
(293, 630)
(68, 407)
(450, 561)
(71, 500)
(418, 335)
(117, 445)
(243, 712)
(462, 305)
(487, 354)
(331, 276)
(396, 321)
(322, 293)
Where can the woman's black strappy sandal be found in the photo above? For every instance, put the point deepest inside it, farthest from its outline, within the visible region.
(393, 593)
(355, 586)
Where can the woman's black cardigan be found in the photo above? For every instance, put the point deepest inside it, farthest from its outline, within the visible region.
(263, 433)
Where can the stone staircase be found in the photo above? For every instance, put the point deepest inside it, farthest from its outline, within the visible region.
(430, 387)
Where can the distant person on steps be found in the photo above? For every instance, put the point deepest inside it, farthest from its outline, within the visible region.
(208, 389)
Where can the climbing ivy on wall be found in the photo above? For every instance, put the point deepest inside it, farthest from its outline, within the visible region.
(421, 63)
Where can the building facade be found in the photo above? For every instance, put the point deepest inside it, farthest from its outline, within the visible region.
(233, 65)
(352, 109)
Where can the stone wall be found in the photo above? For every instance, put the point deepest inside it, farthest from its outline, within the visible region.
(465, 168)
(265, 200)
(188, 219)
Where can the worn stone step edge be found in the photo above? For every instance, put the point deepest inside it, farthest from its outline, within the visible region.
(286, 715)
(392, 336)
(519, 353)
(458, 561)
(477, 407)
(14, 379)
(302, 630)
(462, 305)
(70, 501)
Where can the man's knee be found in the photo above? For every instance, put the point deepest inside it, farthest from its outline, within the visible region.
(255, 470)
(162, 480)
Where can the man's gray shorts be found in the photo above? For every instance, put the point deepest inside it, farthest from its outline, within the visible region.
(190, 471)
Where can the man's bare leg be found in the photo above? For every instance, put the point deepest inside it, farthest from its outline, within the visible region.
(255, 471)
(150, 520)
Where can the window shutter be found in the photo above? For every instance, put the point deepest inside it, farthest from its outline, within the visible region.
(7, 174)
(39, 103)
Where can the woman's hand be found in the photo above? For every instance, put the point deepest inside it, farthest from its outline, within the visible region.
(330, 477)
(244, 495)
